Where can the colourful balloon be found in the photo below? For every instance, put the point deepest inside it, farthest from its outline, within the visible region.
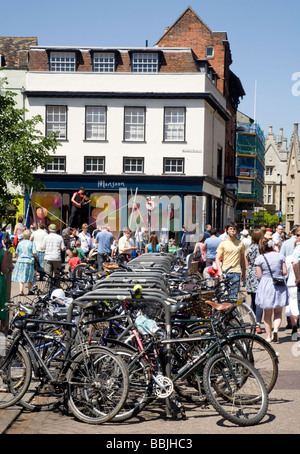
(95, 212)
(36, 201)
(53, 213)
(41, 212)
(94, 201)
(56, 202)
(47, 200)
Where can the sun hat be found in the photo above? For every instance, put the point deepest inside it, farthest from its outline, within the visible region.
(268, 235)
(52, 227)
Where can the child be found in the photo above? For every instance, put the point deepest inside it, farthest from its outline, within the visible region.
(81, 254)
(74, 261)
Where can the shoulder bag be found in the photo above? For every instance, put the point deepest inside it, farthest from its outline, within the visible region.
(276, 280)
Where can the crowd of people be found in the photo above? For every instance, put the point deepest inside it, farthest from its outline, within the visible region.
(266, 263)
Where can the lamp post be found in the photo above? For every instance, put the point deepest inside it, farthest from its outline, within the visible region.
(280, 198)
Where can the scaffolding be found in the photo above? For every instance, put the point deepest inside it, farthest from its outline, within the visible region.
(250, 151)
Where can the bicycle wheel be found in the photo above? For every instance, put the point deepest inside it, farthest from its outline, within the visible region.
(245, 316)
(15, 375)
(235, 389)
(259, 353)
(41, 394)
(97, 385)
(140, 389)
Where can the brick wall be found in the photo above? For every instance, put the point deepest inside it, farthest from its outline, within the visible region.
(190, 31)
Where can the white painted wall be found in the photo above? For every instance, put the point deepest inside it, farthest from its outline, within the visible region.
(205, 129)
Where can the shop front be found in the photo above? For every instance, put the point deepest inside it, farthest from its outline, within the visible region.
(120, 201)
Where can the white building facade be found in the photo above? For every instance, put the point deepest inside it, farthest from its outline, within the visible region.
(129, 136)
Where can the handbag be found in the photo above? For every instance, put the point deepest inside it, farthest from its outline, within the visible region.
(276, 280)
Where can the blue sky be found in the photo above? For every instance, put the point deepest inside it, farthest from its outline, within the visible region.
(264, 38)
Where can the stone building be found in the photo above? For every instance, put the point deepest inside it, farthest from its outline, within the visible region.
(293, 181)
(276, 155)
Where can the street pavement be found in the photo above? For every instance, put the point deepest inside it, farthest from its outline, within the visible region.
(282, 417)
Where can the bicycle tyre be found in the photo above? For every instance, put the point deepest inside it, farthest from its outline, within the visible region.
(97, 385)
(245, 316)
(259, 353)
(140, 386)
(239, 394)
(15, 377)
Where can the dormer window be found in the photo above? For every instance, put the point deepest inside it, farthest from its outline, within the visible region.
(104, 62)
(144, 62)
(62, 61)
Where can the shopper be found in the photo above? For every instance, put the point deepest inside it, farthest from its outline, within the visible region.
(207, 232)
(24, 269)
(200, 253)
(277, 238)
(245, 238)
(3, 292)
(18, 231)
(37, 237)
(153, 245)
(270, 297)
(125, 248)
(251, 281)
(53, 245)
(85, 239)
(103, 241)
(211, 245)
(232, 251)
(296, 267)
(292, 310)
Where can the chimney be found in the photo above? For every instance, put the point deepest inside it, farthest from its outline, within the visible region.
(270, 130)
(296, 128)
(281, 134)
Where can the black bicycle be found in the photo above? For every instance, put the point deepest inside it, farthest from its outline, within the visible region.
(93, 380)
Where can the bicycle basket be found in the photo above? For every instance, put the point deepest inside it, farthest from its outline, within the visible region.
(109, 267)
(198, 307)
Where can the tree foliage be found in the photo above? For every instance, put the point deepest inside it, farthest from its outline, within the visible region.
(23, 149)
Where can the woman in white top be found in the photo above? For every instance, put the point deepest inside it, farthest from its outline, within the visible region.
(85, 239)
